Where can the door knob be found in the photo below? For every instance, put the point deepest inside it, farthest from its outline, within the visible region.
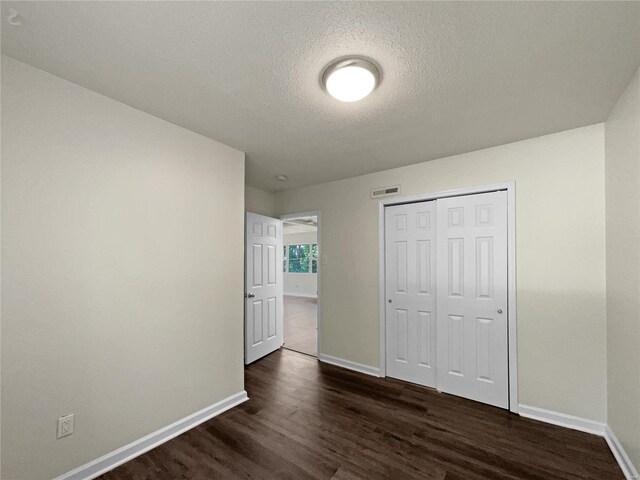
(389, 300)
(499, 310)
(251, 295)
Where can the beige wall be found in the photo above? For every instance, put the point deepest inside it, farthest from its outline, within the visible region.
(259, 201)
(304, 284)
(622, 167)
(122, 258)
(560, 259)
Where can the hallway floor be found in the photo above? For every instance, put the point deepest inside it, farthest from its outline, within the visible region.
(300, 332)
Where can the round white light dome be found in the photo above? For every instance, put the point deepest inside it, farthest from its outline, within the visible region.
(350, 80)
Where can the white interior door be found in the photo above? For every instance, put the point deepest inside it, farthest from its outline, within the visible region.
(472, 297)
(410, 290)
(263, 290)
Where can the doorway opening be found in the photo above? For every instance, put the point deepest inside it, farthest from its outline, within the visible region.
(301, 271)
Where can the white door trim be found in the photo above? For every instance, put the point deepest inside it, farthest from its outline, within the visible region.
(510, 187)
(315, 213)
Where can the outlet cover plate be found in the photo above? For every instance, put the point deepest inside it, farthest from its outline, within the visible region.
(65, 425)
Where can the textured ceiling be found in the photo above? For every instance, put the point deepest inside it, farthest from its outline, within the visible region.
(457, 76)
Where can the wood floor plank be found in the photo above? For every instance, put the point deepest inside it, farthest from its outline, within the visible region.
(309, 420)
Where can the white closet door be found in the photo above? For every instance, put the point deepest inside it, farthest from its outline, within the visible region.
(264, 282)
(472, 297)
(410, 290)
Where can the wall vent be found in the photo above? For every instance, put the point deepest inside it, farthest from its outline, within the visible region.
(385, 192)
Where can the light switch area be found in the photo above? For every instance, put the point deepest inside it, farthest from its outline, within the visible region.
(65, 425)
(325, 259)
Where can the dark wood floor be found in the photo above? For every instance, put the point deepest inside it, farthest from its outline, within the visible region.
(307, 420)
(300, 332)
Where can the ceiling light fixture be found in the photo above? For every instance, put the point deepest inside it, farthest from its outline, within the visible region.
(282, 178)
(350, 79)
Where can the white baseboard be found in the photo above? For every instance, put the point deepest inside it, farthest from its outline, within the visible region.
(588, 426)
(107, 462)
(562, 420)
(358, 367)
(623, 459)
(303, 295)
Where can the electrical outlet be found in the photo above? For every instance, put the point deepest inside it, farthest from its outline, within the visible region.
(65, 425)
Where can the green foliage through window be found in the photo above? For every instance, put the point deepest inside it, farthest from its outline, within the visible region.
(314, 258)
(299, 258)
(284, 258)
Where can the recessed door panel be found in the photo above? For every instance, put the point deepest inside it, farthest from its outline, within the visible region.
(484, 267)
(272, 263)
(484, 353)
(425, 339)
(423, 266)
(272, 325)
(484, 215)
(401, 267)
(455, 335)
(456, 267)
(402, 334)
(423, 220)
(256, 314)
(456, 217)
(401, 222)
(257, 265)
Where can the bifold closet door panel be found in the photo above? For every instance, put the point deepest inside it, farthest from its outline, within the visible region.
(472, 335)
(410, 292)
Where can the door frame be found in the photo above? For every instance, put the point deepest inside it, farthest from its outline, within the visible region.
(315, 213)
(510, 188)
